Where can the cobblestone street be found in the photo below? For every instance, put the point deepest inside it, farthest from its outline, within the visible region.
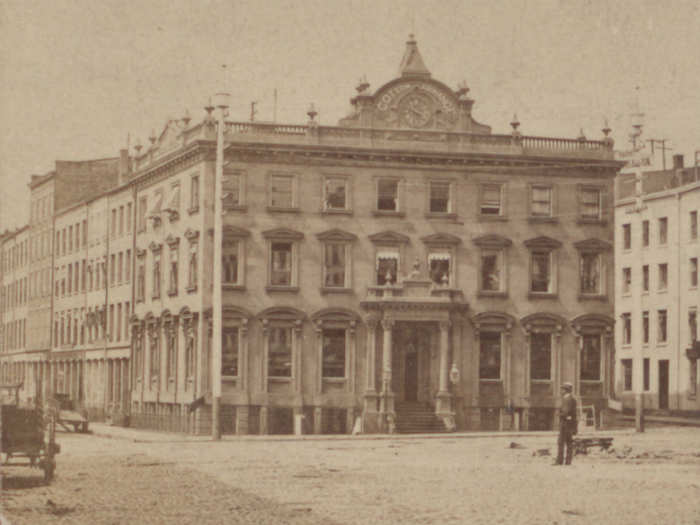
(158, 478)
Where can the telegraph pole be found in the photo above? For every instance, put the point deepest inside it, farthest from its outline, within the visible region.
(663, 148)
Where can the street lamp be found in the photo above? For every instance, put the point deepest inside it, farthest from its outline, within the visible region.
(222, 103)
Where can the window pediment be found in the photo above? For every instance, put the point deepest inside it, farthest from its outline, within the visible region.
(140, 252)
(235, 312)
(592, 245)
(335, 315)
(492, 241)
(543, 242)
(155, 246)
(592, 323)
(495, 320)
(191, 235)
(441, 239)
(543, 322)
(336, 235)
(172, 240)
(285, 234)
(282, 314)
(235, 232)
(389, 237)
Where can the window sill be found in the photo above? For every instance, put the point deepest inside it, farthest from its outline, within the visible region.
(191, 289)
(192, 210)
(283, 289)
(155, 297)
(235, 207)
(275, 209)
(551, 220)
(229, 379)
(591, 221)
(627, 346)
(542, 295)
(489, 380)
(492, 294)
(330, 290)
(388, 213)
(593, 297)
(445, 216)
(172, 293)
(491, 218)
(337, 380)
(278, 379)
(231, 286)
(336, 212)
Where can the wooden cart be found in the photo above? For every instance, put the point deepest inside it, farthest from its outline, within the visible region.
(27, 434)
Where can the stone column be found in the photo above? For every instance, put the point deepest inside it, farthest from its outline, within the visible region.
(370, 385)
(443, 407)
(387, 398)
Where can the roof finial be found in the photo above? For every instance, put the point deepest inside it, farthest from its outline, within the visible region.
(412, 63)
(515, 123)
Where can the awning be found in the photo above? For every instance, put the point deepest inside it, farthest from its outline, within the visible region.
(439, 257)
(387, 255)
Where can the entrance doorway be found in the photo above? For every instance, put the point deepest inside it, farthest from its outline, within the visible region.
(411, 360)
(663, 384)
(410, 384)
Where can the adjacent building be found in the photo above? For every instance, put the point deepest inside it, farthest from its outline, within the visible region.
(657, 300)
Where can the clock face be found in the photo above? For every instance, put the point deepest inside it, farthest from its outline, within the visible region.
(415, 111)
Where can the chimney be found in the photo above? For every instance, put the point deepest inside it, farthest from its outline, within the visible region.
(678, 161)
(124, 166)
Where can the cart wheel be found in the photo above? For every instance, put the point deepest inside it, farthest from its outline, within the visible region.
(49, 468)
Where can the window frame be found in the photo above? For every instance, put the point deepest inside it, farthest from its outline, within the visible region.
(627, 366)
(600, 216)
(338, 238)
(501, 360)
(294, 198)
(502, 212)
(195, 193)
(662, 283)
(347, 180)
(400, 197)
(552, 215)
(241, 177)
(663, 231)
(294, 238)
(662, 329)
(543, 245)
(451, 212)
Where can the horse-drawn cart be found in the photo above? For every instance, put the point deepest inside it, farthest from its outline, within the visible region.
(27, 434)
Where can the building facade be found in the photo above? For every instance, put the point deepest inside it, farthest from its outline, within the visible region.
(405, 262)
(657, 301)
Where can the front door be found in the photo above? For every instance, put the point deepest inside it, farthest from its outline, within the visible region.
(663, 384)
(411, 375)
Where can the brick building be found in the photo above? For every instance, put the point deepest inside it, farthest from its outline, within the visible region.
(657, 301)
(404, 266)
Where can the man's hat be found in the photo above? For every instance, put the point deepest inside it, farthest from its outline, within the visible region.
(567, 386)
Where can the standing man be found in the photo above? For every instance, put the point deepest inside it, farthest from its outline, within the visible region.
(567, 425)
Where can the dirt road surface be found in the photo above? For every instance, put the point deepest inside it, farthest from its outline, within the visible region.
(651, 478)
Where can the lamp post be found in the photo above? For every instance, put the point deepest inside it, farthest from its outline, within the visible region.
(222, 101)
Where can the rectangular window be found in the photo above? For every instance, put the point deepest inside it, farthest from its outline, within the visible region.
(693, 225)
(647, 363)
(541, 276)
(439, 197)
(194, 193)
(281, 191)
(692, 326)
(143, 212)
(111, 323)
(128, 217)
(645, 278)
(489, 355)
(540, 357)
(279, 359)
(114, 222)
(121, 220)
(387, 268)
(645, 327)
(230, 262)
(694, 272)
(120, 268)
(663, 276)
(112, 268)
(590, 273)
(645, 233)
(590, 358)
(118, 327)
(154, 356)
(229, 352)
(541, 201)
(231, 186)
(192, 268)
(627, 236)
(334, 265)
(173, 273)
(333, 353)
(491, 199)
(77, 236)
(491, 278)
(663, 230)
(387, 195)
(335, 194)
(590, 203)
(626, 280)
(70, 277)
(70, 238)
(439, 268)
(127, 266)
(141, 281)
(626, 329)
(662, 333)
(281, 264)
(626, 374)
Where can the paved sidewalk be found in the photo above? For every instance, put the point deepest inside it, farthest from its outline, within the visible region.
(149, 436)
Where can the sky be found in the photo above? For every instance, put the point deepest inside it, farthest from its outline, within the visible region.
(79, 78)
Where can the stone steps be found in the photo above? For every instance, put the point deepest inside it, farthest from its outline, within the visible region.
(417, 418)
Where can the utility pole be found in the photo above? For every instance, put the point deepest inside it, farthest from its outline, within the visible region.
(663, 148)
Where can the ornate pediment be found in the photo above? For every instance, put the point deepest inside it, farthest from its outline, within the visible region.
(283, 234)
(543, 322)
(389, 237)
(441, 239)
(592, 245)
(492, 240)
(336, 235)
(235, 232)
(592, 323)
(495, 320)
(542, 242)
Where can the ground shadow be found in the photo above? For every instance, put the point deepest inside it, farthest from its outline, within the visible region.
(22, 482)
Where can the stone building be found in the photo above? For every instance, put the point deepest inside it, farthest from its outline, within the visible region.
(407, 267)
(657, 301)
